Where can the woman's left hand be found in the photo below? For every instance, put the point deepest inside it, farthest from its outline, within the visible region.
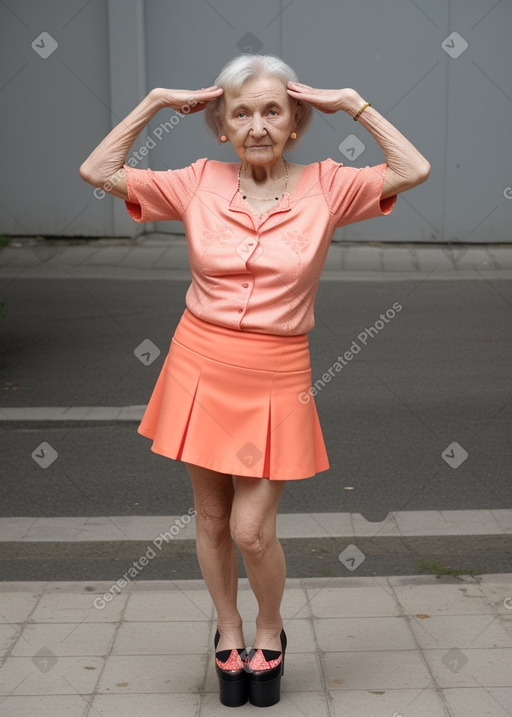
(328, 101)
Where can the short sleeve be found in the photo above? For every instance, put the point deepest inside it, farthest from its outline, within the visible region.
(161, 196)
(353, 194)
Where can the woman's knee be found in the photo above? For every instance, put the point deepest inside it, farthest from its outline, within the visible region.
(212, 516)
(254, 515)
(252, 537)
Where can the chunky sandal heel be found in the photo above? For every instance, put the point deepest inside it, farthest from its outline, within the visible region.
(233, 683)
(265, 684)
(233, 690)
(265, 691)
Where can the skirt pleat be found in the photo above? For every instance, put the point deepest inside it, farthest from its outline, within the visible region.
(228, 400)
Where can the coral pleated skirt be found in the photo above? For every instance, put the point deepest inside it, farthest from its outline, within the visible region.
(236, 402)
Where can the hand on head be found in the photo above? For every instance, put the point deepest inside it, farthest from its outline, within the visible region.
(187, 101)
(327, 101)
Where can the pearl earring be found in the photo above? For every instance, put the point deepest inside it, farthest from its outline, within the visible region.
(223, 138)
(293, 135)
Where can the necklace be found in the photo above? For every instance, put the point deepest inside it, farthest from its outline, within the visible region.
(265, 199)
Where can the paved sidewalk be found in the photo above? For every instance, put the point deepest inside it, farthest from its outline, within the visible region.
(396, 647)
(166, 256)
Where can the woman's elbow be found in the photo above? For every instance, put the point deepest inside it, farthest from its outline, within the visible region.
(421, 174)
(86, 173)
(92, 174)
(424, 171)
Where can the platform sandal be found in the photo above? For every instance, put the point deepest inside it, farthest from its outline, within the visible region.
(265, 674)
(231, 668)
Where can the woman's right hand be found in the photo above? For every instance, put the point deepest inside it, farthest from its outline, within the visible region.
(186, 101)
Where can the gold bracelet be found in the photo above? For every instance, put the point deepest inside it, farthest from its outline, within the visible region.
(358, 114)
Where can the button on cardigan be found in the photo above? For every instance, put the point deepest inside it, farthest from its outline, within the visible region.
(256, 272)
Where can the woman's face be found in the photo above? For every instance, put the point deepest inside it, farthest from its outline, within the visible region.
(259, 121)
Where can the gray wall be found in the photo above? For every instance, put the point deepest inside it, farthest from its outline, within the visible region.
(457, 110)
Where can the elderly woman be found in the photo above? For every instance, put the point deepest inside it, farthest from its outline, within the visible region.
(226, 402)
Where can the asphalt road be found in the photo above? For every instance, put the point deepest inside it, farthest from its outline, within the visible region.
(434, 372)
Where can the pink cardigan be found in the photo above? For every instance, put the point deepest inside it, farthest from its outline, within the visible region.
(256, 272)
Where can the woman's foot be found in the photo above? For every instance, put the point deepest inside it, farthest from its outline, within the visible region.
(267, 648)
(268, 638)
(229, 645)
(231, 638)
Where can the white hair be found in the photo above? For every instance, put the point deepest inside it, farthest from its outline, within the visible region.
(243, 67)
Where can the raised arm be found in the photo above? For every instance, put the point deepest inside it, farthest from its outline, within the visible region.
(406, 166)
(104, 166)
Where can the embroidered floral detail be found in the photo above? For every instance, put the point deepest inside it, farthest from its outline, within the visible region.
(218, 234)
(258, 662)
(296, 240)
(234, 662)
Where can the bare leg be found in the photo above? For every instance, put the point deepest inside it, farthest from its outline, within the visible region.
(253, 525)
(213, 497)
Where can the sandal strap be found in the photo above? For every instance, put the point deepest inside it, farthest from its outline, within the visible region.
(264, 659)
(230, 659)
